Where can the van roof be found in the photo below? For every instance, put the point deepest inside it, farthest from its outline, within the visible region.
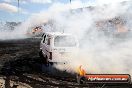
(56, 33)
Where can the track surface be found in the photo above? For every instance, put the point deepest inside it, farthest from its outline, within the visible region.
(19, 61)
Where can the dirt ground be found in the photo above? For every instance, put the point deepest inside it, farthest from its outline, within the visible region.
(20, 63)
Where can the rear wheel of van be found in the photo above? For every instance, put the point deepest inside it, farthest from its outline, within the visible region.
(40, 54)
(45, 59)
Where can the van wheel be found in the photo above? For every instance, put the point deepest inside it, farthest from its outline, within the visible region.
(40, 54)
(46, 60)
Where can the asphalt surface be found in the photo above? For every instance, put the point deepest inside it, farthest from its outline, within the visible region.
(20, 62)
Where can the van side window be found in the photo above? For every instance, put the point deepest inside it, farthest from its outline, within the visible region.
(44, 38)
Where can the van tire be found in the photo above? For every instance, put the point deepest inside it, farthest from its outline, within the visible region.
(44, 59)
(40, 54)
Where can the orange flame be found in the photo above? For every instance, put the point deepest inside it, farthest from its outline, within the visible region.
(37, 29)
(81, 71)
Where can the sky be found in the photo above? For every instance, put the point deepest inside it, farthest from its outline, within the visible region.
(9, 8)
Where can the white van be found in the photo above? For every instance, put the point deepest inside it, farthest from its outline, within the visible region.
(56, 46)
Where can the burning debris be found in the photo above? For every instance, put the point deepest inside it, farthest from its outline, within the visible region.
(36, 31)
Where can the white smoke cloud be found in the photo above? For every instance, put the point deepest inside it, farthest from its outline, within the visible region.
(101, 2)
(99, 52)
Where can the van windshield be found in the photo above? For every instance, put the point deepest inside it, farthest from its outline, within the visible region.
(64, 41)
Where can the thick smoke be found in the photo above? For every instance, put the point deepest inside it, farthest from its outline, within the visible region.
(102, 48)
(8, 33)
